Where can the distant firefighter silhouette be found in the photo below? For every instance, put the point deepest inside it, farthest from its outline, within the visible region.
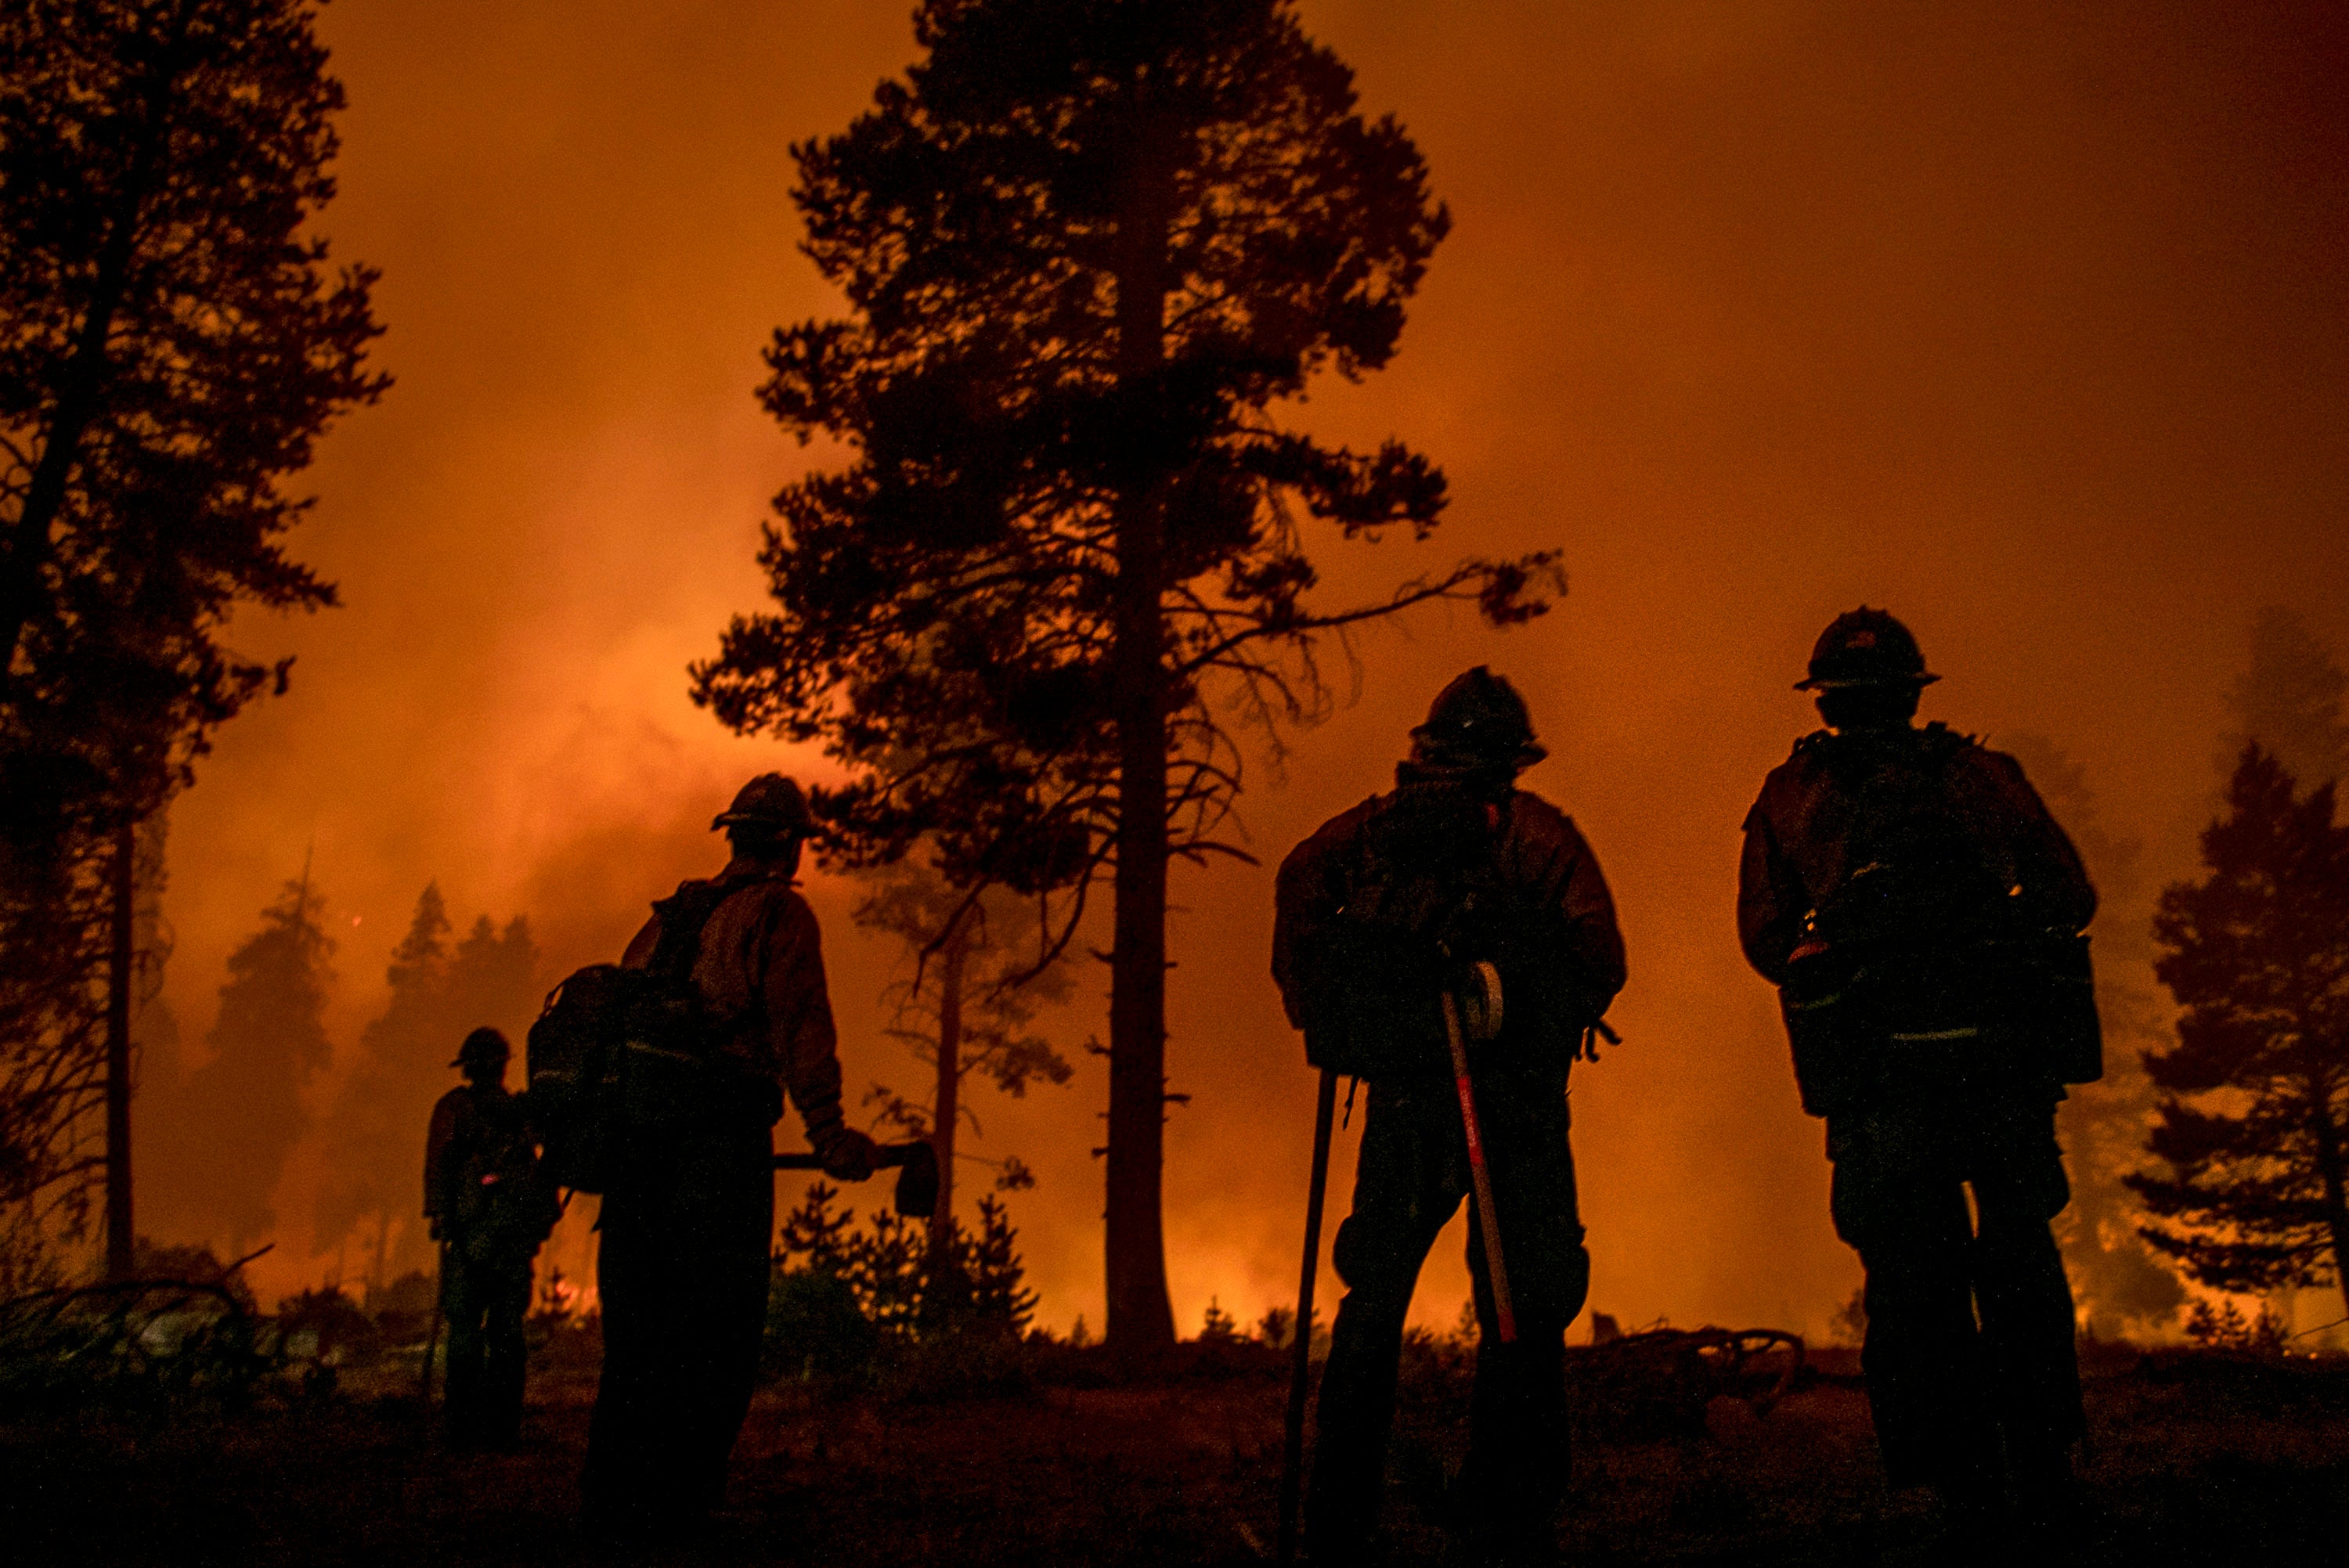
(1921, 913)
(721, 1011)
(489, 1207)
(1456, 919)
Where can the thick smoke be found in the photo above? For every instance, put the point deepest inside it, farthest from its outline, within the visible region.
(2027, 321)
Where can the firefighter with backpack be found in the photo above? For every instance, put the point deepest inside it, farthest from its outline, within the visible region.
(489, 1207)
(715, 1014)
(1456, 919)
(1921, 915)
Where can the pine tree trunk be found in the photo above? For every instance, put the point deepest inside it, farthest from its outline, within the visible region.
(1140, 1316)
(945, 1107)
(118, 975)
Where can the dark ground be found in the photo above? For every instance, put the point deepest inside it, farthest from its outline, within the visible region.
(2200, 1459)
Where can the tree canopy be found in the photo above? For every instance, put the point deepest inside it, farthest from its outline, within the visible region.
(172, 343)
(1093, 251)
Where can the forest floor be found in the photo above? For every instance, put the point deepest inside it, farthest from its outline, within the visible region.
(2199, 1459)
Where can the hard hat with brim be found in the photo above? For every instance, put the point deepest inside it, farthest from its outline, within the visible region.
(1866, 647)
(770, 801)
(1479, 717)
(483, 1044)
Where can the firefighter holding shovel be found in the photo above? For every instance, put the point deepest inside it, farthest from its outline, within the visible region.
(1452, 943)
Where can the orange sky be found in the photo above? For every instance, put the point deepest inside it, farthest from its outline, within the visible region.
(2028, 327)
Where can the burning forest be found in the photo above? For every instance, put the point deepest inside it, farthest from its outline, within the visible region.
(1258, 780)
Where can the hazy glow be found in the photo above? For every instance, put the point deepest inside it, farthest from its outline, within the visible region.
(2029, 326)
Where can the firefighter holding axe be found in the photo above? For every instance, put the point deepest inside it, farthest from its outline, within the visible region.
(1452, 943)
(728, 1016)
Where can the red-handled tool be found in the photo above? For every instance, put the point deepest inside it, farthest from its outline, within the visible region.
(1487, 1220)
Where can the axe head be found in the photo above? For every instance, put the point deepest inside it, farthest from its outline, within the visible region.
(917, 1181)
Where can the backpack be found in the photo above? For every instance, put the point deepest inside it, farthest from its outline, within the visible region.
(1919, 952)
(620, 1056)
(1421, 912)
(1916, 880)
(504, 1204)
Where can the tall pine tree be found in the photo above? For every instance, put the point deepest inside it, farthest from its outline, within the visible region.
(1091, 249)
(245, 1108)
(2254, 1121)
(173, 342)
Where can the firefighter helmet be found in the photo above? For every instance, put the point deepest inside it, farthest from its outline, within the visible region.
(1866, 647)
(1479, 718)
(772, 802)
(485, 1045)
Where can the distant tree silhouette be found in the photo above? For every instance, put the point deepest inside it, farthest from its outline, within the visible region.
(171, 343)
(1088, 247)
(243, 1112)
(2289, 701)
(374, 1135)
(2255, 1106)
(965, 1009)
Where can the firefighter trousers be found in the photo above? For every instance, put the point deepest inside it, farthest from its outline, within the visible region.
(485, 1300)
(682, 1271)
(1411, 1178)
(1971, 1373)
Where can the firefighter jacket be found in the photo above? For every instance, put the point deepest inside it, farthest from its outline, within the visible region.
(1812, 830)
(1560, 953)
(481, 1183)
(760, 972)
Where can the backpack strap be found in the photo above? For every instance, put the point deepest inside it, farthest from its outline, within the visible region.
(683, 916)
(1460, 869)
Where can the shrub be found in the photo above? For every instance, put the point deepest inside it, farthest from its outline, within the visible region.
(2226, 1328)
(849, 1302)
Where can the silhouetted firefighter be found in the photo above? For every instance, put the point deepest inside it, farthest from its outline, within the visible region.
(489, 1207)
(726, 1011)
(1920, 912)
(1458, 906)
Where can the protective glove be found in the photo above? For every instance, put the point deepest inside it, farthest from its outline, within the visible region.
(847, 1154)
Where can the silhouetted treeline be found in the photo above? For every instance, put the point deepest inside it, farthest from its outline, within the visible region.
(369, 1190)
(219, 1139)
